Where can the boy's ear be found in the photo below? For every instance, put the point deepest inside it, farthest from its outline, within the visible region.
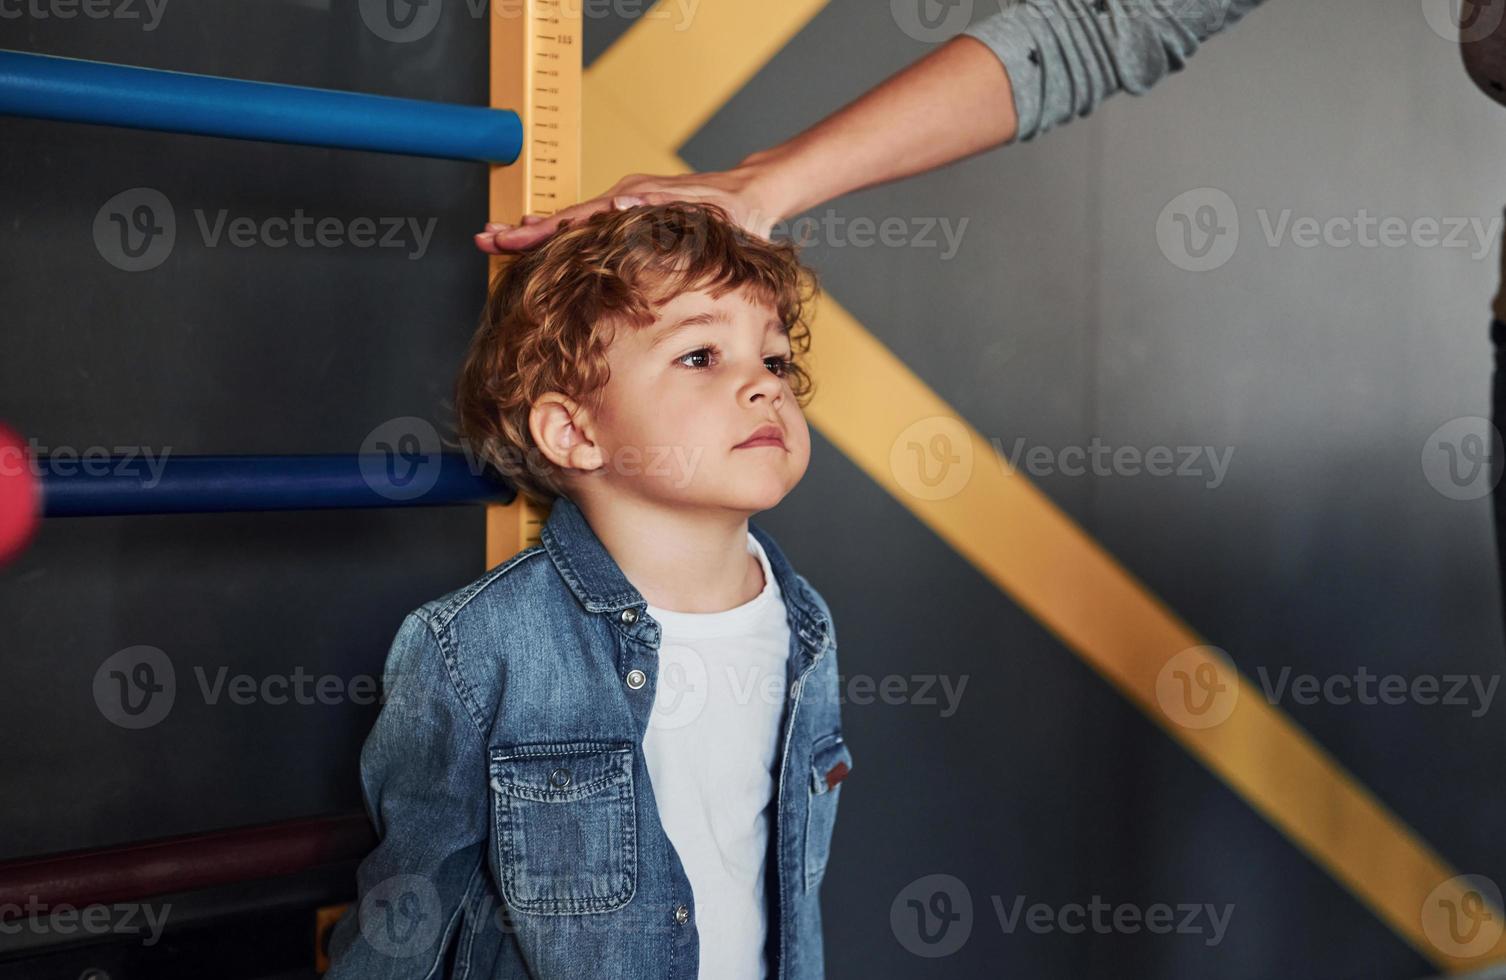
(560, 428)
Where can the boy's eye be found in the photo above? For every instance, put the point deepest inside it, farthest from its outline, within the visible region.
(777, 364)
(704, 352)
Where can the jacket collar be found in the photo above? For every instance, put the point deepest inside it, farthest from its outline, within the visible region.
(597, 581)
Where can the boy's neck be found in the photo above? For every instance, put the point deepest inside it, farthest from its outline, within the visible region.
(680, 559)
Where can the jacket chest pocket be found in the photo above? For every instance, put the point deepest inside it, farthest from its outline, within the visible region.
(831, 761)
(565, 826)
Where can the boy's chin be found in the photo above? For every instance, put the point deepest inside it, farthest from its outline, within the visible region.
(750, 496)
(759, 496)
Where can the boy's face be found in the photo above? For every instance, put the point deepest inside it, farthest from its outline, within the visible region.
(683, 398)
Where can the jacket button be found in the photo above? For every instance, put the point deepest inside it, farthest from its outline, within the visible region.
(560, 777)
(635, 678)
(630, 616)
(682, 915)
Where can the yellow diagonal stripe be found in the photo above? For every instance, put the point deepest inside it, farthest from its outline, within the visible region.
(685, 59)
(883, 417)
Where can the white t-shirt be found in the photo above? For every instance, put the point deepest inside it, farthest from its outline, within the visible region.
(710, 748)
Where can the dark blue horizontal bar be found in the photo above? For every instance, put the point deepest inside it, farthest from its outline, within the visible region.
(75, 90)
(84, 487)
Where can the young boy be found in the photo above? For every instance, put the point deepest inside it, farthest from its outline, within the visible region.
(619, 753)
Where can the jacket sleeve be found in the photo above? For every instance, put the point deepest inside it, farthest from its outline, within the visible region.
(423, 776)
(1064, 57)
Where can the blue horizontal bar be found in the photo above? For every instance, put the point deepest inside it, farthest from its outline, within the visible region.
(75, 90)
(75, 487)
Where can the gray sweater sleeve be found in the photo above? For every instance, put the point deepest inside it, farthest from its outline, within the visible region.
(1064, 57)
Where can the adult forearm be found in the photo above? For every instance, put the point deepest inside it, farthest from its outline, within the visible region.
(1033, 65)
(953, 103)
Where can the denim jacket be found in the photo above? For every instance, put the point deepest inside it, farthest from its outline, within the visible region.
(505, 775)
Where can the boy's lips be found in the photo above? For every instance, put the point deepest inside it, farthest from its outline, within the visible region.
(764, 435)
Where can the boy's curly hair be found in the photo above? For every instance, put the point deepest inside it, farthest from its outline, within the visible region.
(551, 312)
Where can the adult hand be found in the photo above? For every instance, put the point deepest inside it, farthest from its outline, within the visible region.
(742, 191)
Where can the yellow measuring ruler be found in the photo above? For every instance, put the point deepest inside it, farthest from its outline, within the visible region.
(536, 64)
